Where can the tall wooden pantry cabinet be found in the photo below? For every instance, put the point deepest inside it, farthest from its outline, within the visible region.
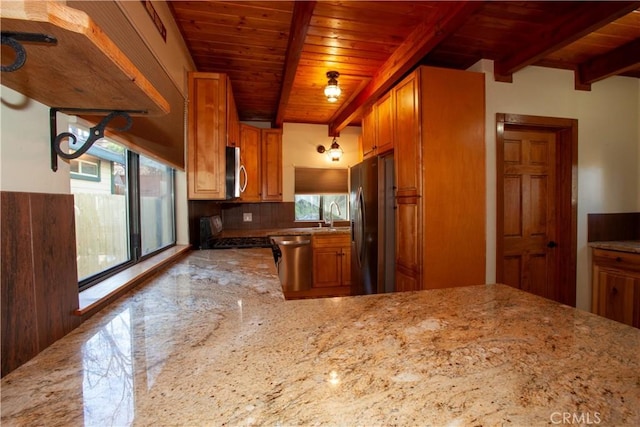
(439, 152)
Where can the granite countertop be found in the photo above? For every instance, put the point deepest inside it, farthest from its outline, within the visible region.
(211, 341)
(632, 246)
(259, 232)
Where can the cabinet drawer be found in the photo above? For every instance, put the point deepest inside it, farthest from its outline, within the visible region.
(331, 241)
(615, 259)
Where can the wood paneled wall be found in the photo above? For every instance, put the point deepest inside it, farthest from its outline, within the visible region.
(39, 281)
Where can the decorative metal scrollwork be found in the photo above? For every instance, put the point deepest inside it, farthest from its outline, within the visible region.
(12, 40)
(95, 133)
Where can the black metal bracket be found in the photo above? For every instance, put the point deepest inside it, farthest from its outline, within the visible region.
(13, 39)
(95, 133)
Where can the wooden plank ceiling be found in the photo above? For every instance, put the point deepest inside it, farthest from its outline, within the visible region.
(277, 53)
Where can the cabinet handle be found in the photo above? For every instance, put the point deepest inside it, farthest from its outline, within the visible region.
(614, 290)
(619, 259)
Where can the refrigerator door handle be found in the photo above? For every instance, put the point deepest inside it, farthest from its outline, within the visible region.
(359, 227)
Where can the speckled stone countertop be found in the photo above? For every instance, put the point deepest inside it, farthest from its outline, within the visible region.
(211, 341)
(632, 246)
(284, 231)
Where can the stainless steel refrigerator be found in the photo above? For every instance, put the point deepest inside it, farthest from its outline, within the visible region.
(372, 226)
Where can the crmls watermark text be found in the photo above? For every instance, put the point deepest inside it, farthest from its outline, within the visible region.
(582, 418)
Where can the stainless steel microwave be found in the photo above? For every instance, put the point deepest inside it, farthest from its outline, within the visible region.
(233, 166)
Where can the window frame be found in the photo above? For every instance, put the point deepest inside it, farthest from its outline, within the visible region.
(321, 208)
(132, 167)
(86, 177)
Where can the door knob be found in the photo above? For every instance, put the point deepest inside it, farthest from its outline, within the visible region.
(552, 244)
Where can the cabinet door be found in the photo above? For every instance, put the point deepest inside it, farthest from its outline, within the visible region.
(384, 120)
(206, 136)
(327, 266)
(408, 249)
(271, 164)
(407, 149)
(369, 133)
(407, 157)
(618, 295)
(250, 159)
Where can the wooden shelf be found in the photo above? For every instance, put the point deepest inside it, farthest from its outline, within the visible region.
(85, 69)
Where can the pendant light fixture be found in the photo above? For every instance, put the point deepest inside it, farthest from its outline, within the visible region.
(332, 90)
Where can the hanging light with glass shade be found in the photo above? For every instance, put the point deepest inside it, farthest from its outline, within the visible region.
(332, 90)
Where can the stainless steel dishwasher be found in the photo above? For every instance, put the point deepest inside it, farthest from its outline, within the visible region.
(294, 262)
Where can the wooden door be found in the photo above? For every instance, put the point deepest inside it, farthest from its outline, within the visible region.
(250, 160)
(529, 239)
(271, 164)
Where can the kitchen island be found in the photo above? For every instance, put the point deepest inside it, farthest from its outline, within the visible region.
(211, 341)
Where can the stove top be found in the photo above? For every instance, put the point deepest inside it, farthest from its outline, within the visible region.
(237, 242)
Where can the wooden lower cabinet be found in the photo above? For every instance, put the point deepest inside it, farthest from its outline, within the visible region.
(331, 264)
(616, 286)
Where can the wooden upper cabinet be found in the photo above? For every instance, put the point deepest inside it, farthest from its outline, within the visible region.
(368, 133)
(408, 148)
(208, 119)
(385, 124)
(378, 127)
(271, 164)
(233, 120)
(250, 158)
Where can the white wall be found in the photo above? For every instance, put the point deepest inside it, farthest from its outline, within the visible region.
(25, 159)
(299, 142)
(608, 146)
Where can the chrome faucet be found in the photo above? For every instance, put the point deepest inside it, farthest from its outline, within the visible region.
(331, 205)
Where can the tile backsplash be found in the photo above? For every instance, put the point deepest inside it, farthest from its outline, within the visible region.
(263, 215)
(613, 226)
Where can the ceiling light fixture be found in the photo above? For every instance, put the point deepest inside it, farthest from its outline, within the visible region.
(332, 91)
(334, 153)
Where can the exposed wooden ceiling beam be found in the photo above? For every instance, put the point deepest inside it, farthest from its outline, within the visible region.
(588, 17)
(421, 41)
(618, 61)
(302, 13)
